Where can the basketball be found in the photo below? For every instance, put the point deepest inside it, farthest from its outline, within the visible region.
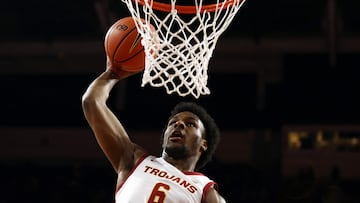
(123, 46)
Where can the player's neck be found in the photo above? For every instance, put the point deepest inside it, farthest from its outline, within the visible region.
(184, 165)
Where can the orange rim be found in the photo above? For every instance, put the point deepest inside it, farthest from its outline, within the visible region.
(189, 9)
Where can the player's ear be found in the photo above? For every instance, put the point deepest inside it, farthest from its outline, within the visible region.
(204, 145)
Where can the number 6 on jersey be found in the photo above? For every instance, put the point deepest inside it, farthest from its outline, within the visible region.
(158, 194)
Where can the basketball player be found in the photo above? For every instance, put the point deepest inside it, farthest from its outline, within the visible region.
(188, 142)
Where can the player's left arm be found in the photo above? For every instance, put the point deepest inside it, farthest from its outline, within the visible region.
(213, 196)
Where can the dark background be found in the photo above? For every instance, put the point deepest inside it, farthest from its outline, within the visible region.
(280, 63)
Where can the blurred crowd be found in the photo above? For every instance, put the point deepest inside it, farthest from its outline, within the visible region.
(91, 183)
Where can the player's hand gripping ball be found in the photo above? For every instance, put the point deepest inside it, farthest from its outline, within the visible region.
(123, 47)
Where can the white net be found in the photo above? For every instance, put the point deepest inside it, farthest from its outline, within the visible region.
(179, 49)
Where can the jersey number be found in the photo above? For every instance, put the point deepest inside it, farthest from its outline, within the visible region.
(158, 193)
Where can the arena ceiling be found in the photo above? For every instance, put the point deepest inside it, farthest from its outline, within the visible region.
(73, 30)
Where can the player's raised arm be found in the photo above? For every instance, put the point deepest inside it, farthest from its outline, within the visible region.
(108, 130)
(125, 57)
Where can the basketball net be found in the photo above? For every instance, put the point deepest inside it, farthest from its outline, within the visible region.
(178, 50)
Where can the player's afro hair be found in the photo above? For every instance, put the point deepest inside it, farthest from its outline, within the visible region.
(212, 133)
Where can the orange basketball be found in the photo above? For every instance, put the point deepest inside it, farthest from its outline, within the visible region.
(123, 46)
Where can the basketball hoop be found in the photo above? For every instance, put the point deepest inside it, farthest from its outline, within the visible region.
(178, 51)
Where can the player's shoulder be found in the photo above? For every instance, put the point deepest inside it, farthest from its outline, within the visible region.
(213, 196)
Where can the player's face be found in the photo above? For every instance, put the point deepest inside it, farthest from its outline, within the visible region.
(183, 136)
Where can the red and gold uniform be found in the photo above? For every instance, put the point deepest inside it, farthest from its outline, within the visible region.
(153, 180)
